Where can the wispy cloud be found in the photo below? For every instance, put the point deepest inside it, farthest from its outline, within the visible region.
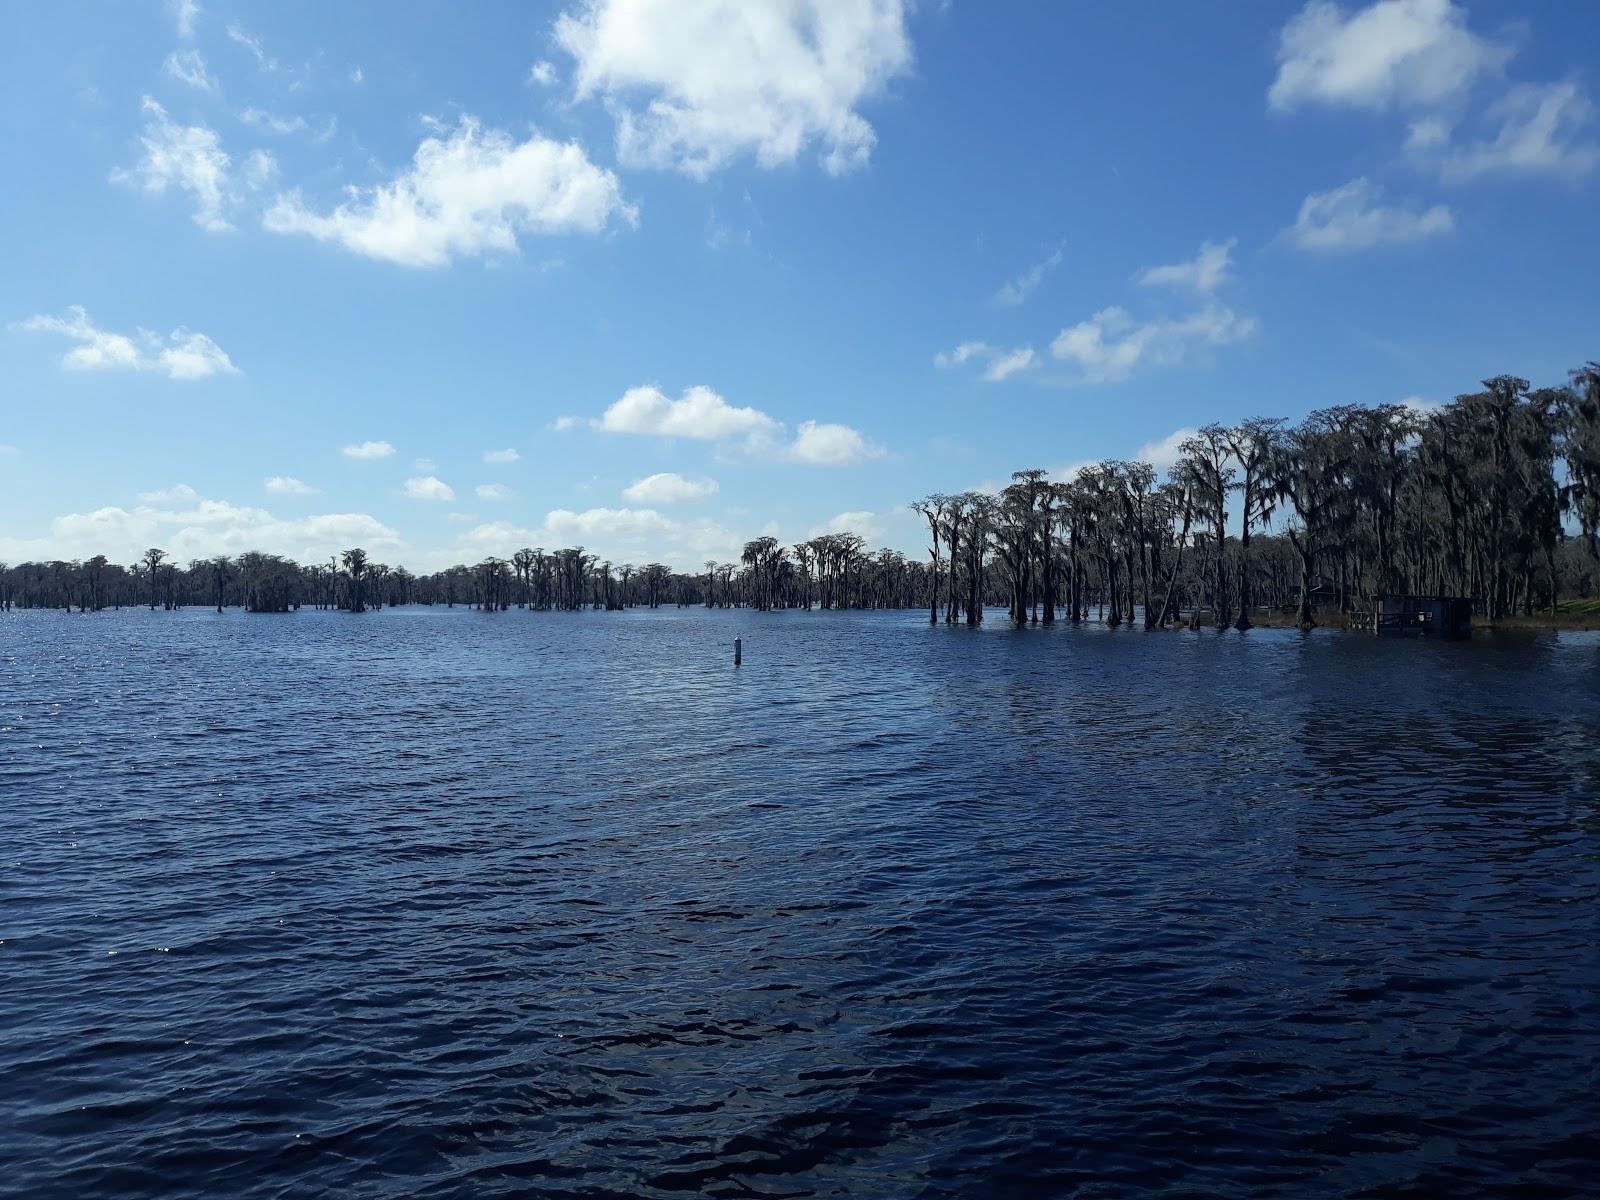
(1204, 273)
(183, 355)
(999, 363)
(189, 67)
(1020, 288)
(1110, 346)
(188, 157)
(1354, 217)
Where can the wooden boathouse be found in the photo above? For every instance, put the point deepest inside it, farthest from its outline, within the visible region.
(1418, 616)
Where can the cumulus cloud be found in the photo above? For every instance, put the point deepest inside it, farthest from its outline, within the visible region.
(288, 485)
(542, 73)
(493, 492)
(183, 355)
(1163, 453)
(367, 450)
(1111, 345)
(622, 523)
(471, 193)
(999, 363)
(1353, 217)
(202, 529)
(429, 487)
(702, 414)
(1204, 273)
(1390, 53)
(858, 521)
(621, 534)
(1020, 288)
(1540, 132)
(820, 444)
(563, 425)
(692, 84)
(188, 66)
(507, 455)
(667, 487)
(699, 413)
(187, 157)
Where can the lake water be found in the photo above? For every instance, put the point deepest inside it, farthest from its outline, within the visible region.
(444, 903)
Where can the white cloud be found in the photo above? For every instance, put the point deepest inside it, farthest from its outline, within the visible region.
(356, 76)
(272, 122)
(826, 445)
(189, 66)
(1020, 288)
(1421, 405)
(204, 529)
(563, 425)
(963, 352)
(699, 413)
(1009, 363)
(184, 15)
(705, 416)
(189, 157)
(1427, 132)
(621, 523)
(253, 44)
(621, 534)
(288, 485)
(493, 492)
(425, 466)
(667, 487)
(184, 355)
(1352, 217)
(260, 169)
(1001, 363)
(860, 522)
(692, 84)
(367, 450)
(474, 192)
(1111, 345)
(429, 487)
(178, 493)
(1393, 52)
(1540, 133)
(507, 455)
(542, 73)
(1163, 453)
(1204, 273)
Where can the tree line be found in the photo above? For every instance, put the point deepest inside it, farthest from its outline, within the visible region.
(1472, 499)
(1465, 500)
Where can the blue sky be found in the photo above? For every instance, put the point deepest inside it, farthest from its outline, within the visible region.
(296, 277)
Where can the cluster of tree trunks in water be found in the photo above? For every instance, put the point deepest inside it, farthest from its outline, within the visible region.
(1467, 499)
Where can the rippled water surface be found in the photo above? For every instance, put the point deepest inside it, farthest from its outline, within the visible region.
(444, 903)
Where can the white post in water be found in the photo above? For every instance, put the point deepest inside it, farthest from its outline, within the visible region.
(738, 651)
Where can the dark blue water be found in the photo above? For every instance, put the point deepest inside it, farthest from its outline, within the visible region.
(434, 903)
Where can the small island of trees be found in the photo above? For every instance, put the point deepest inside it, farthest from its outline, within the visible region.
(1495, 496)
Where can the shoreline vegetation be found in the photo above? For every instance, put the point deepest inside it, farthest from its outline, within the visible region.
(1259, 523)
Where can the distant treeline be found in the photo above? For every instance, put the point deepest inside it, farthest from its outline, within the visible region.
(1354, 501)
